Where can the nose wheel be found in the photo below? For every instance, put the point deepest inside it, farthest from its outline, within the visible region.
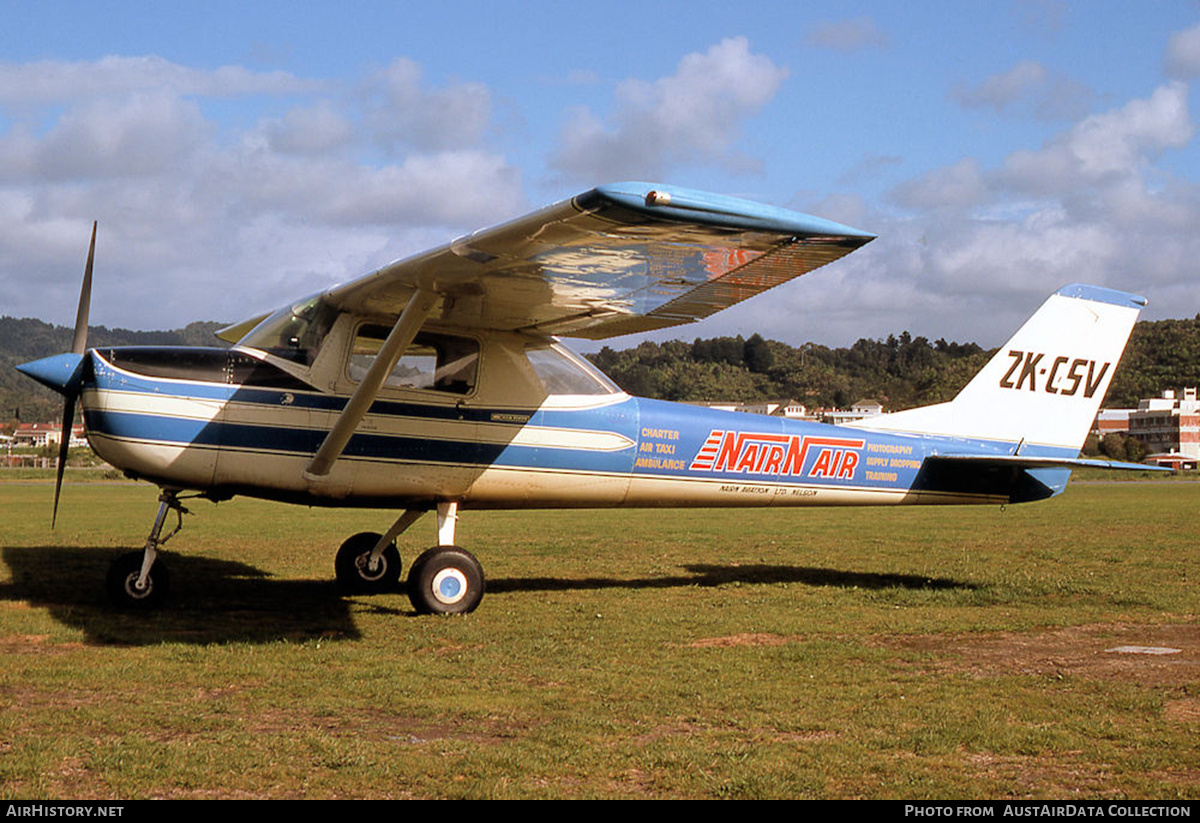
(128, 589)
(139, 580)
(360, 570)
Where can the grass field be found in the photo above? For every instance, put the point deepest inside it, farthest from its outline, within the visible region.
(866, 653)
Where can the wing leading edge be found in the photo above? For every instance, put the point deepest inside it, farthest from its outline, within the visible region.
(618, 259)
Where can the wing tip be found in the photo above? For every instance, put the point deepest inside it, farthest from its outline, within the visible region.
(692, 204)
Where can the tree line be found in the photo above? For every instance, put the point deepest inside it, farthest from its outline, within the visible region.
(25, 339)
(899, 371)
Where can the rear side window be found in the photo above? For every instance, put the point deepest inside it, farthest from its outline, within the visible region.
(562, 373)
(433, 362)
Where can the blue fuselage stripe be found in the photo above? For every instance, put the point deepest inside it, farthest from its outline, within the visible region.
(304, 441)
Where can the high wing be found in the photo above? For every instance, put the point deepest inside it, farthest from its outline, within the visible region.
(622, 258)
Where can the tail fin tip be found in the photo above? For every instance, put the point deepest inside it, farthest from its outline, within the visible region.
(1100, 294)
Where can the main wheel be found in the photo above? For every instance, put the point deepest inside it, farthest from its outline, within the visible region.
(353, 566)
(121, 583)
(445, 580)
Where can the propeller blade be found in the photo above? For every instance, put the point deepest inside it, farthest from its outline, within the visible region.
(64, 446)
(79, 344)
(71, 390)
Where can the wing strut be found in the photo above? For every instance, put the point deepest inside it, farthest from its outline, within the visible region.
(398, 340)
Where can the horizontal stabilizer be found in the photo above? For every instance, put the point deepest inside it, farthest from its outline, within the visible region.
(1022, 461)
(1006, 478)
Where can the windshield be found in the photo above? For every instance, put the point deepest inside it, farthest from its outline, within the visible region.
(294, 332)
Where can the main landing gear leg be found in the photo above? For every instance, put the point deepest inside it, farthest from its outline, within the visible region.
(445, 579)
(369, 563)
(139, 580)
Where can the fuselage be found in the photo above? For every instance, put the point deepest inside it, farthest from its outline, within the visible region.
(246, 422)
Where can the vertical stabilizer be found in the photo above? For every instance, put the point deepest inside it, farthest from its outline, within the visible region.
(1045, 385)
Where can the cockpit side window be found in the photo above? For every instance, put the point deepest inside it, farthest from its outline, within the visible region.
(433, 361)
(563, 373)
(294, 333)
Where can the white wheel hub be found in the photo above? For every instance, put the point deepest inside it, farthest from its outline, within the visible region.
(449, 586)
(363, 564)
(132, 589)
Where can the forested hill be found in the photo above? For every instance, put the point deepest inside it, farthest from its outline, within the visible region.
(25, 339)
(899, 371)
(1163, 354)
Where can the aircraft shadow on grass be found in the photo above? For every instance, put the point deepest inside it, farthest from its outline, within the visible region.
(713, 575)
(220, 601)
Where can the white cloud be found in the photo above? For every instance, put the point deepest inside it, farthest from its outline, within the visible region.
(142, 134)
(693, 115)
(1001, 89)
(207, 219)
(1028, 86)
(202, 218)
(403, 113)
(957, 186)
(453, 188)
(978, 248)
(53, 81)
(1182, 59)
(1111, 144)
(310, 130)
(847, 35)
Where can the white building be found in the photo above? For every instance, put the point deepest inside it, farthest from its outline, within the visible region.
(858, 411)
(40, 435)
(789, 408)
(1168, 425)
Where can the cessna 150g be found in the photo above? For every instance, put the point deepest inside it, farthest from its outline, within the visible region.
(437, 383)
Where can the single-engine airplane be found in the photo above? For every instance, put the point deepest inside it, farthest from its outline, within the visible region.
(438, 383)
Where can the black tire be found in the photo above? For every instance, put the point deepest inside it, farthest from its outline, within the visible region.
(122, 577)
(352, 571)
(445, 580)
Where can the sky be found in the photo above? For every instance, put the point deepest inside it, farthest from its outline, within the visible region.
(240, 155)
